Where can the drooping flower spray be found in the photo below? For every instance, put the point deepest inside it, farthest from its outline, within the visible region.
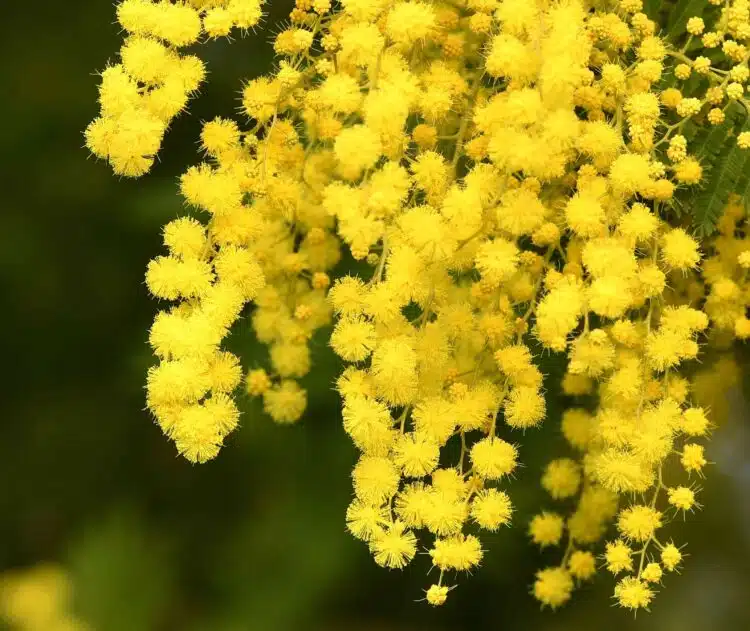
(517, 178)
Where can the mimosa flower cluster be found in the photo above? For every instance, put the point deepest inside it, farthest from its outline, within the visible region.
(515, 178)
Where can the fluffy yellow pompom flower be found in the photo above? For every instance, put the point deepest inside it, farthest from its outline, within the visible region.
(639, 523)
(218, 22)
(147, 60)
(497, 260)
(218, 193)
(577, 427)
(630, 173)
(357, 148)
(618, 557)
(185, 237)
(257, 382)
(652, 573)
(592, 354)
(340, 94)
(510, 57)
(621, 471)
(582, 565)
(671, 556)
(394, 546)
(694, 422)
(638, 224)
(290, 359)
(363, 520)
(361, 43)
(585, 215)
(347, 295)
(369, 424)
(558, 313)
(525, 407)
(680, 250)
(492, 458)
(693, 458)
(170, 278)
(220, 135)
(689, 171)
(410, 22)
(521, 212)
(200, 428)
(285, 403)
(245, 13)
(225, 372)
(375, 479)
(437, 595)
(443, 512)
(434, 417)
(431, 173)
(553, 586)
(561, 478)
(461, 552)
(601, 141)
(394, 365)
(682, 498)
(514, 360)
(633, 593)
(546, 529)
(238, 266)
(259, 97)
(491, 509)
(416, 454)
(353, 339)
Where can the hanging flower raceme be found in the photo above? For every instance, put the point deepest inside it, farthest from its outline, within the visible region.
(514, 178)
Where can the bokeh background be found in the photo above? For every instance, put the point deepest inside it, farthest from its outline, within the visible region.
(254, 540)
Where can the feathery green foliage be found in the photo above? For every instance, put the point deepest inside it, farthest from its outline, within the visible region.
(681, 12)
(726, 167)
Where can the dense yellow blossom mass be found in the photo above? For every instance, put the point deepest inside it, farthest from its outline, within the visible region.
(511, 176)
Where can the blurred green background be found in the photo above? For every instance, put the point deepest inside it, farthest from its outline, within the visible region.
(254, 540)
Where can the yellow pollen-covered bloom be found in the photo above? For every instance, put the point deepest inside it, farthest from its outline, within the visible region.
(394, 546)
(682, 498)
(493, 458)
(638, 523)
(618, 557)
(680, 250)
(546, 529)
(436, 595)
(582, 565)
(491, 509)
(553, 586)
(633, 593)
(461, 552)
(561, 478)
(671, 557)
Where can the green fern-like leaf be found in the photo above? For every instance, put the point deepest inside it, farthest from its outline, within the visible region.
(657, 10)
(708, 140)
(727, 171)
(743, 184)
